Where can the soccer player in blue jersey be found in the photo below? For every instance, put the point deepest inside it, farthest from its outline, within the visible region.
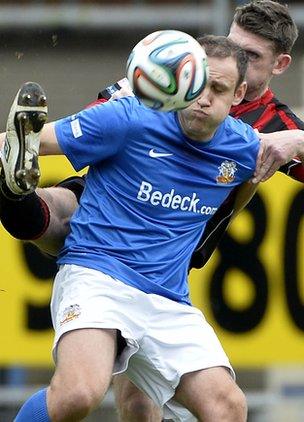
(155, 179)
(261, 66)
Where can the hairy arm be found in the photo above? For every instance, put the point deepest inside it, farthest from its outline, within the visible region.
(277, 149)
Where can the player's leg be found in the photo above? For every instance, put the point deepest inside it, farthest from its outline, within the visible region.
(83, 373)
(133, 405)
(41, 217)
(60, 204)
(182, 366)
(84, 346)
(25, 217)
(22, 212)
(212, 395)
(85, 360)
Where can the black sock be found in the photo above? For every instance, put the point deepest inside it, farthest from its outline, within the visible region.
(25, 217)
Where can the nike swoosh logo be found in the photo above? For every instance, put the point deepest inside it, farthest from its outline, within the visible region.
(155, 154)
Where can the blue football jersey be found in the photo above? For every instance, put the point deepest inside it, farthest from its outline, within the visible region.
(149, 191)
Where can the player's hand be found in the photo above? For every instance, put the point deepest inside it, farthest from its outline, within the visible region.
(277, 149)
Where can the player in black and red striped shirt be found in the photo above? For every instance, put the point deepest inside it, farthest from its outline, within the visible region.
(266, 31)
(258, 27)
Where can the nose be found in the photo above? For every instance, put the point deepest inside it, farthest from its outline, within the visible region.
(205, 99)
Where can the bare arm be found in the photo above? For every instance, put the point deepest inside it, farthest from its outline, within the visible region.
(48, 141)
(277, 149)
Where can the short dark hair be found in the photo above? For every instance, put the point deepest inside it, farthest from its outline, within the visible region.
(270, 20)
(222, 47)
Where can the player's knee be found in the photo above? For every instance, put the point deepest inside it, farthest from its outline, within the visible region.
(232, 405)
(237, 404)
(139, 408)
(73, 403)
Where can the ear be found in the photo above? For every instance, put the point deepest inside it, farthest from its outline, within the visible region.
(282, 63)
(239, 93)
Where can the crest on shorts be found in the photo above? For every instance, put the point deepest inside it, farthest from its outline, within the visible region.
(227, 172)
(70, 313)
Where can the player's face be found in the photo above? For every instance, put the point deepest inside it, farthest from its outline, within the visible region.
(263, 61)
(200, 120)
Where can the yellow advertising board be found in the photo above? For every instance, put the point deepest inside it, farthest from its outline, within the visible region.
(251, 291)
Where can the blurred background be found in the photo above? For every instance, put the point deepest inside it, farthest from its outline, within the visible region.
(76, 48)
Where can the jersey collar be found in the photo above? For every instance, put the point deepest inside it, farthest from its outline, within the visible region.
(246, 106)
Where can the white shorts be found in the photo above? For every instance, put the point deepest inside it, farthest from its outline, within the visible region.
(165, 339)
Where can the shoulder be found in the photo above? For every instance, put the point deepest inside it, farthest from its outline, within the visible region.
(132, 109)
(124, 103)
(121, 111)
(286, 117)
(242, 141)
(241, 129)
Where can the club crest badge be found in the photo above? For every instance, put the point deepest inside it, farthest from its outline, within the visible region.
(227, 172)
(70, 313)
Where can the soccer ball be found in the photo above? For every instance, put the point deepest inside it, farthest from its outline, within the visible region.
(167, 70)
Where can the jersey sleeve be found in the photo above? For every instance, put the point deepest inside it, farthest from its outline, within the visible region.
(97, 133)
